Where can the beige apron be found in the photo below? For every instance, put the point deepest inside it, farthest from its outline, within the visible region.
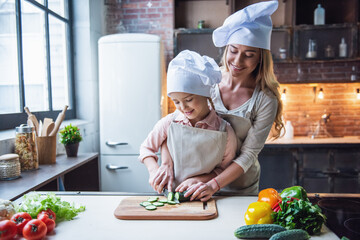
(195, 151)
(248, 183)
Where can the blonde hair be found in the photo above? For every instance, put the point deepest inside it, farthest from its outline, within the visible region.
(211, 103)
(264, 75)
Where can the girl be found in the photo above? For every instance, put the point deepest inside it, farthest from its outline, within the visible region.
(199, 141)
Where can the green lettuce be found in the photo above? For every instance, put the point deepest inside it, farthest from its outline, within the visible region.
(33, 203)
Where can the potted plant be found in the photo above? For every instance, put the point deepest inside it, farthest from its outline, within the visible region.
(70, 136)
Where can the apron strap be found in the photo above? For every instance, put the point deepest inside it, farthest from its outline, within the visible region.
(252, 102)
(223, 124)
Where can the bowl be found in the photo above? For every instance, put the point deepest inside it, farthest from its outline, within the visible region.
(353, 227)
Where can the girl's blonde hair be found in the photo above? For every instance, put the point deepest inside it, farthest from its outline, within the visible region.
(264, 75)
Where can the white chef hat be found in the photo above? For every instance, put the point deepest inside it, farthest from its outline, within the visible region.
(191, 73)
(250, 26)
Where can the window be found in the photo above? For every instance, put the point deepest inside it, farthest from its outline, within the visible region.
(35, 60)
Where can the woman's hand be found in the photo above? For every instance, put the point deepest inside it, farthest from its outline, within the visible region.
(186, 184)
(202, 191)
(163, 176)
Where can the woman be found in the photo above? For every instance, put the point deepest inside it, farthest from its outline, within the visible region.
(247, 97)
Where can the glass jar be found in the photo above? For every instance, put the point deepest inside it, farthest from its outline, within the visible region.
(25, 147)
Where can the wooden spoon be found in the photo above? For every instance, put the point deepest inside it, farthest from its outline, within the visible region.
(33, 119)
(47, 122)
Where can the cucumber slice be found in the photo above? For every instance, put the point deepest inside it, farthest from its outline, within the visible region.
(150, 207)
(153, 199)
(170, 196)
(158, 204)
(171, 202)
(163, 200)
(145, 203)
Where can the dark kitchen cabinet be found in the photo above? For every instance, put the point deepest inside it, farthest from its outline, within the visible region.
(318, 168)
(293, 27)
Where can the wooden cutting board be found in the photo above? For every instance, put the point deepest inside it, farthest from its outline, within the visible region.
(129, 208)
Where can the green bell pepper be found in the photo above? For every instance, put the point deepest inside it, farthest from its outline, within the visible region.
(295, 192)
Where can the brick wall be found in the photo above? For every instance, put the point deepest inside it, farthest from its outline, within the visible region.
(132, 16)
(135, 16)
(304, 109)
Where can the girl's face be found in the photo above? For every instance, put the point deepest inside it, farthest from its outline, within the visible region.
(242, 60)
(194, 107)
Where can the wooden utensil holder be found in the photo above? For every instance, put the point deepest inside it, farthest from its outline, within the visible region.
(46, 147)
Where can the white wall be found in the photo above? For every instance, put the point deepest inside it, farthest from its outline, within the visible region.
(88, 27)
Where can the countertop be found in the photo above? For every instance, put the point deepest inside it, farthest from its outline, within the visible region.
(98, 221)
(303, 140)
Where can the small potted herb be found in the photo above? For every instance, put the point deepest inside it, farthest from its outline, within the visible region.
(70, 136)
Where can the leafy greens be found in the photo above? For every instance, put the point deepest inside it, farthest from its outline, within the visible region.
(299, 214)
(33, 203)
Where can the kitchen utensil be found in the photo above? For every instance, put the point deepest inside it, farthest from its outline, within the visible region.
(33, 118)
(46, 146)
(50, 127)
(47, 122)
(129, 208)
(40, 128)
(58, 121)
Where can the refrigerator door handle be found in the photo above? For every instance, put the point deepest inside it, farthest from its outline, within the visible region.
(114, 167)
(114, 144)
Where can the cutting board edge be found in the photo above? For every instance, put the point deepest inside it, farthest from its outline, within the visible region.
(162, 217)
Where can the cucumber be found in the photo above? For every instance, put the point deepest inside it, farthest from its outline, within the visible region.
(145, 203)
(150, 207)
(153, 199)
(294, 234)
(158, 204)
(163, 200)
(170, 196)
(180, 196)
(171, 202)
(258, 231)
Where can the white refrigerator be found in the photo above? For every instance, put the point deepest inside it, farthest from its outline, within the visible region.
(131, 73)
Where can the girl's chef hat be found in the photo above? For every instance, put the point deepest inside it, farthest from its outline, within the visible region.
(191, 73)
(250, 26)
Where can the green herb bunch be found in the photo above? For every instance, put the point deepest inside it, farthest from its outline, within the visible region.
(299, 214)
(70, 134)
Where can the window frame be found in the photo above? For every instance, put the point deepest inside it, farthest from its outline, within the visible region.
(11, 120)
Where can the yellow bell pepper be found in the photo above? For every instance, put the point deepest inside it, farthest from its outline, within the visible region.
(258, 213)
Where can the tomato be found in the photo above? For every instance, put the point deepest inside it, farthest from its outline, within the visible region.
(49, 212)
(35, 229)
(50, 223)
(20, 219)
(7, 230)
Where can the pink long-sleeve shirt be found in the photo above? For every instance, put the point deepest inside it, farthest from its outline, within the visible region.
(211, 122)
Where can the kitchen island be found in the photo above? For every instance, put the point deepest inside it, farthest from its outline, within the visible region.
(98, 221)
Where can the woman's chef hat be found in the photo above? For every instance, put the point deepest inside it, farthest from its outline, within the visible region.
(250, 26)
(191, 73)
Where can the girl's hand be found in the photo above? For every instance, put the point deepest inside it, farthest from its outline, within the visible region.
(202, 191)
(163, 176)
(186, 184)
